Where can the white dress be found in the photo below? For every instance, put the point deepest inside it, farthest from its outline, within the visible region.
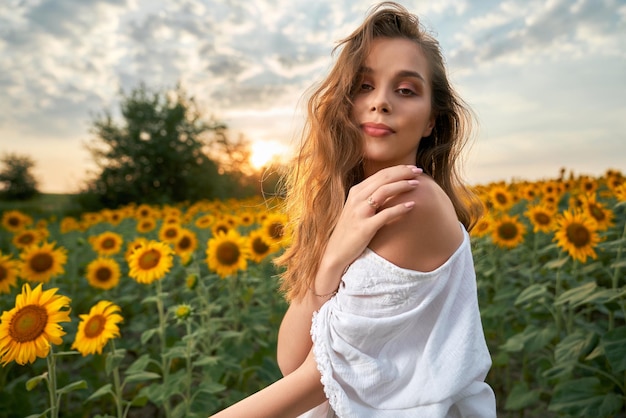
(400, 343)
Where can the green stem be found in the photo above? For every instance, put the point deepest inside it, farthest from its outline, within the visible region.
(162, 331)
(117, 386)
(603, 373)
(52, 384)
(189, 367)
(615, 278)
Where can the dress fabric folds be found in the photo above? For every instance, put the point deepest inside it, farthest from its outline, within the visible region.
(398, 343)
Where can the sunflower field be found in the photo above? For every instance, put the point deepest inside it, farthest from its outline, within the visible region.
(173, 311)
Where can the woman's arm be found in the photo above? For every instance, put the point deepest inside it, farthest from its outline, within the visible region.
(289, 397)
(358, 222)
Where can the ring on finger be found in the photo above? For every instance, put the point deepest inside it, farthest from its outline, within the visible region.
(372, 202)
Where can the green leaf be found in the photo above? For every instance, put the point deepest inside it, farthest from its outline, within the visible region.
(113, 360)
(556, 264)
(574, 346)
(104, 390)
(141, 376)
(618, 264)
(139, 400)
(81, 384)
(576, 294)
(176, 352)
(614, 343)
(585, 397)
(66, 353)
(531, 293)
(521, 397)
(146, 335)
(34, 381)
(206, 361)
(212, 388)
(139, 365)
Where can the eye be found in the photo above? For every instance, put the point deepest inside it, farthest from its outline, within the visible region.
(405, 92)
(366, 86)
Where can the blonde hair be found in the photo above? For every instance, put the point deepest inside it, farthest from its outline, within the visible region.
(330, 158)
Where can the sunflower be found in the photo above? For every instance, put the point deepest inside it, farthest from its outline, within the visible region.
(577, 234)
(150, 262)
(107, 243)
(103, 273)
(27, 237)
(14, 220)
(69, 224)
(246, 218)
(8, 273)
(170, 232)
(186, 244)
(542, 218)
(205, 221)
(508, 231)
(620, 192)
(500, 197)
(96, 328)
(275, 227)
(144, 211)
(133, 245)
(483, 227)
(595, 209)
(260, 246)
(588, 184)
(42, 262)
(27, 330)
(227, 253)
(182, 312)
(221, 226)
(145, 225)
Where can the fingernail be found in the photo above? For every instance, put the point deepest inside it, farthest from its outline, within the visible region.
(415, 169)
(413, 182)
(409, 205)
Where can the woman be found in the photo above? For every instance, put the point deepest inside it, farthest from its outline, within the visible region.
(383, 318)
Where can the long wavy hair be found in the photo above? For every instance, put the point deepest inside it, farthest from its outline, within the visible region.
(329, 161)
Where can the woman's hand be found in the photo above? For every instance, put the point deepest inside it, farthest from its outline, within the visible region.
(363, 214)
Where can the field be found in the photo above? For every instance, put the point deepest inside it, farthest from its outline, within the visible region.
(173, 311)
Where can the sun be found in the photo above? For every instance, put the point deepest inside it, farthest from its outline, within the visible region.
(263, 152)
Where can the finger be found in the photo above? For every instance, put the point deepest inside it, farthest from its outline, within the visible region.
(380, 196)
(391, 213)
(386, 176)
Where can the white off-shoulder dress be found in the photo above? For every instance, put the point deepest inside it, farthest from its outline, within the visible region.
(400, 343)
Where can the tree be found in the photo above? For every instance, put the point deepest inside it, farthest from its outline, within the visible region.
(16, 179)
(158, 153)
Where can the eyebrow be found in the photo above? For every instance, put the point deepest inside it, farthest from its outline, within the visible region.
(402, 73)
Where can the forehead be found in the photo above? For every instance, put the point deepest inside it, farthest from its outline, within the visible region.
(396, 54)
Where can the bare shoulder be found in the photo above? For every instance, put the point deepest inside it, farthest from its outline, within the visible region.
(427, 235)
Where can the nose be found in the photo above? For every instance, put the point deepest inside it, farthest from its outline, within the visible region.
(380, 102)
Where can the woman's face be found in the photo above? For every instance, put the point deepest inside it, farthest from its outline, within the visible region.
(392, 104)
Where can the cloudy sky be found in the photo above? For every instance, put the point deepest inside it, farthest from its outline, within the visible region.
(547, 78)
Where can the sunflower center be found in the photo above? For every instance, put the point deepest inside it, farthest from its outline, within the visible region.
(184, 243)
(259, 246)
(3, 273)
(228, 253)
(222, 228)
(108, 243)
(95, 326)
(149, 259)
(28, 323)
(276, 230)
(26, 239)
(41, 262)
(103, 274)
(170, 232)
(596, 212)
(578, 235)
(501, 198)
(13, 221)
(507, 231)
(542, 219)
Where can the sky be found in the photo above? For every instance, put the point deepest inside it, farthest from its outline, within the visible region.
(545, 78)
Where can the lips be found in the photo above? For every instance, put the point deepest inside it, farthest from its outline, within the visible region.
(376, 129)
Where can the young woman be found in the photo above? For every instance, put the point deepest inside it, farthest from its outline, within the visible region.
(383, 318)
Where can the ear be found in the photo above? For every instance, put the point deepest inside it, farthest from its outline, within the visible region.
(429, 127)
